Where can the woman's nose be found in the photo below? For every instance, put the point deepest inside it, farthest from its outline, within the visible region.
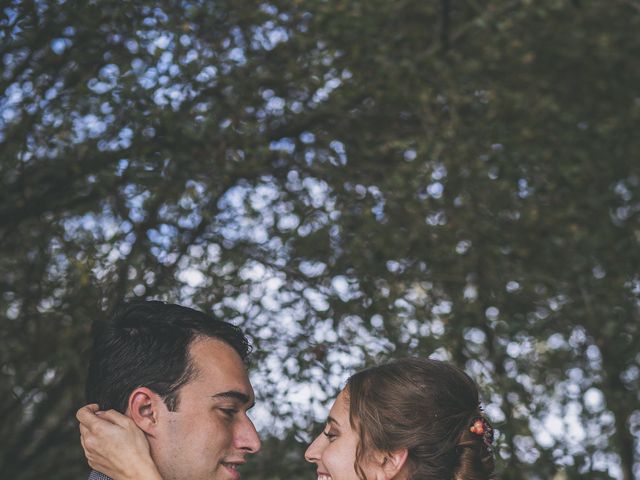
(312, 455)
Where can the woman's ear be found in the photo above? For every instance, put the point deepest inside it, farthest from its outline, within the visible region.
(143, 408)
(393, 463)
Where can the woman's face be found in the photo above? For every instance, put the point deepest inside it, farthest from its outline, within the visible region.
(334, 450)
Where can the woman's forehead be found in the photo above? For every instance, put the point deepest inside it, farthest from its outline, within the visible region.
(340, 407)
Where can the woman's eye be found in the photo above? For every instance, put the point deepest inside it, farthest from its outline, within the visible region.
(330, 435)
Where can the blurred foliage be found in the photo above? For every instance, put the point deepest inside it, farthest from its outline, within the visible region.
(350, 181)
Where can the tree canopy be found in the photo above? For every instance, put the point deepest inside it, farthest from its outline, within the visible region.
(349, 181)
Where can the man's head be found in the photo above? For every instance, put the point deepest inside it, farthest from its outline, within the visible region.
(180, 376)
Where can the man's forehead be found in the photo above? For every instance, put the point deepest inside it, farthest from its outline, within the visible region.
(219, 365)
(207, 349)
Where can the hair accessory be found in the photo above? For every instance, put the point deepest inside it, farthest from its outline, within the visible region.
(481, 427)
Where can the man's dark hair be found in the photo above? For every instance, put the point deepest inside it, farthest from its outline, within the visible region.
(146, 343)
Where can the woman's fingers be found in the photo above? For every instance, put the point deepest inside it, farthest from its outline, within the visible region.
(82, 443)
(94, 457)
(87, 414)
(91, 417)
(116, 418)
(84, 432)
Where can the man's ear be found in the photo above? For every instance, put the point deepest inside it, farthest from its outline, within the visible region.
(392, 463)
(144, 409)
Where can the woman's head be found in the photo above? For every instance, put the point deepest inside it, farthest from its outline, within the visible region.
(408, 419)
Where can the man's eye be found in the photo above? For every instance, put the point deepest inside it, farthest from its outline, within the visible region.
(229, 412)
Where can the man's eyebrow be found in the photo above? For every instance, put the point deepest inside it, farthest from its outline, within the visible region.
(235, 395)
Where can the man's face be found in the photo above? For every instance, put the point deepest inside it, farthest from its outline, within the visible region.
(209, 434)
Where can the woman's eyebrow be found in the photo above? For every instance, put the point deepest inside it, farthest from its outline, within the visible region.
(330, 419)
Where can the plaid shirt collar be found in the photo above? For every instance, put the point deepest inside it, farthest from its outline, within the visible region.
(98, 476)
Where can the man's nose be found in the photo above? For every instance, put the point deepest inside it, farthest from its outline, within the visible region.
(247, 438)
